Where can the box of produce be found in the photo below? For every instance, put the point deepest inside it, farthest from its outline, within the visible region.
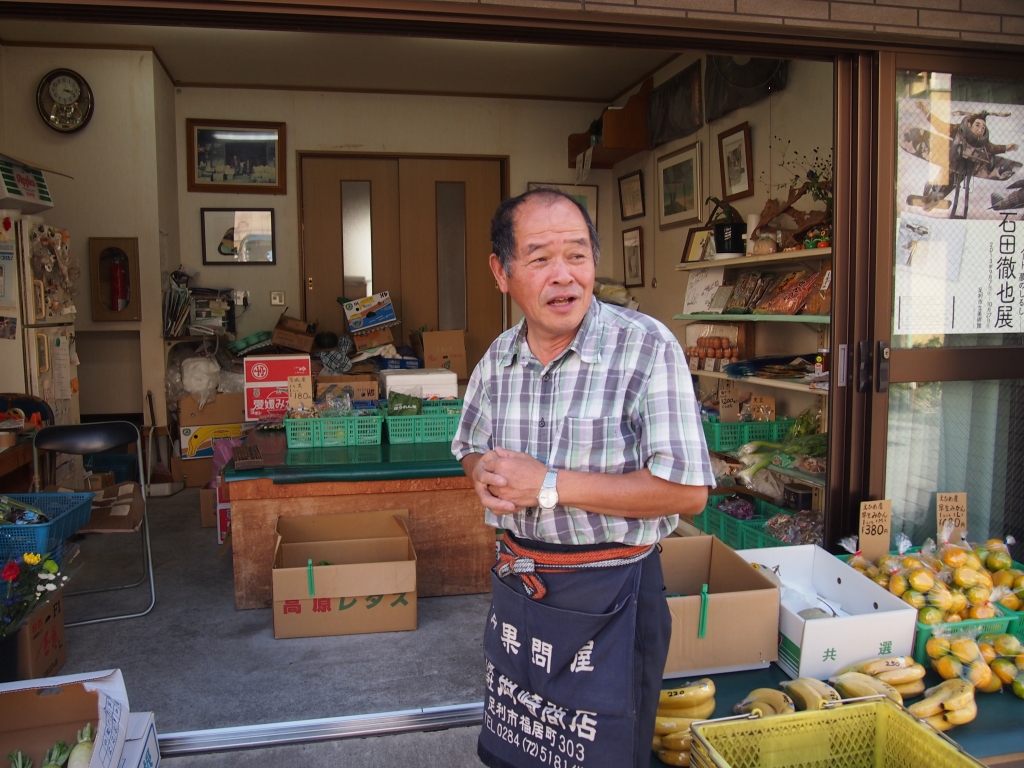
(829, 620)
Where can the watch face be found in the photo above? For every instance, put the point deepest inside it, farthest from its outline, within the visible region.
(548, 498)
(64, 100)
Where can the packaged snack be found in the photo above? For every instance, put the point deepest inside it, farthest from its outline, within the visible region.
(819, 301)
(788, 294)
(739, 302)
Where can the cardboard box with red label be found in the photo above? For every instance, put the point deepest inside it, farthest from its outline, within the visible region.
(266, 383)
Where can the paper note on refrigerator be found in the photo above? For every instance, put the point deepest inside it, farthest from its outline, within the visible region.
(60, 360)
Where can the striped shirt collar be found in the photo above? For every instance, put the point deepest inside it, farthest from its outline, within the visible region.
(586, 343)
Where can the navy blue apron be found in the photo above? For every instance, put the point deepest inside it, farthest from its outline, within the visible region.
(559, 672)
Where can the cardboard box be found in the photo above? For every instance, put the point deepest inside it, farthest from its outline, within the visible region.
(877, 622)
(742, 627)
(197, 442)
(208, 507)
(266, 382)
(116, 509)
(223, 409)
(371, 339)
(427, 383)
(195, 473)
(95, 481)
(443, 349)
(369, 313)
(41, 651)
(33, 722)
(373, 569)
(141, 749)
(292, 333)
(360, 386)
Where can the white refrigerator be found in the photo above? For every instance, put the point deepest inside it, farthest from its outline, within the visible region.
(37, 316)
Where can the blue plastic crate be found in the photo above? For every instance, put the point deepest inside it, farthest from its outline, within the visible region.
(67, 512)
(124, 465)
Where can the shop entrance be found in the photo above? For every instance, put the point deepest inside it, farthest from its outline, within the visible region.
(416, 227)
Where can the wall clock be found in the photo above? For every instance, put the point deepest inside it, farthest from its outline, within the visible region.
(64, 100)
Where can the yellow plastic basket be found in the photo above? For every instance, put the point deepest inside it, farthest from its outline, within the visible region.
(862, 734)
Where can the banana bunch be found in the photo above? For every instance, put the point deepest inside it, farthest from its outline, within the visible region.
(899, 675)
(678, 708)
(809, 694)
(765, 702)
(949, 703)
(989, 663)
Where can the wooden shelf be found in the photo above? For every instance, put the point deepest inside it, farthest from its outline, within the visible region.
(798, 474)
(713, 318)
(768, 258)
(623, 132)
(793, 386)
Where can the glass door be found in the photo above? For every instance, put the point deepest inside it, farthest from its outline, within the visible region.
(947, 362)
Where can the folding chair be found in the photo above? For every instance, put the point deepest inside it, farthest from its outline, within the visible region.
(94, 438)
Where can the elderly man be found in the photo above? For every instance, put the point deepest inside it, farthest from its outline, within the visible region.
(581, 435)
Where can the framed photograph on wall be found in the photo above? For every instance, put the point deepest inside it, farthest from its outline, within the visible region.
(633, 257)
(235, 156)
(238, 236)
(584, 194)
(734, 162)
(679, 187)
(700, 244)
(631, 195)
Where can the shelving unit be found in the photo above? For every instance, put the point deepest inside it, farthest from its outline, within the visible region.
(798, 474)
(623, 132)
(793, 386)
(768, 258)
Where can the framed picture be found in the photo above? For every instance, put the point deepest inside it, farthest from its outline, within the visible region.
(679, 195)
(734, 160)
(233, 156)
(700, 244)
(633, 257)
(238, 236)
(584, 194)
(631, 195)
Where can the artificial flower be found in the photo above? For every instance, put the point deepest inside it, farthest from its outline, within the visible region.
(50, 566)
(31, 558)
(10, 572)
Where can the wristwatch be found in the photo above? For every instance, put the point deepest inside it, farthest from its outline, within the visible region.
(548, 496)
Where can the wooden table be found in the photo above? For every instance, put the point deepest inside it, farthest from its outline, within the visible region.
(455, 549)
(16, 468)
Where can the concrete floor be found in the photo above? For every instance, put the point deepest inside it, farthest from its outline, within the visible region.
(198, 663)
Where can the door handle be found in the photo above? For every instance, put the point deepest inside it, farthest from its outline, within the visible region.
(43, 348)
(883, 366)
(309, 283)
(863, 366)
(40, 293)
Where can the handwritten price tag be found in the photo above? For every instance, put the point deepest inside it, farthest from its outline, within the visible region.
(875, 528)
(709, 364)
(694, 363)
(762, 408)
(952, 506)
(728, 402)
(300, 392)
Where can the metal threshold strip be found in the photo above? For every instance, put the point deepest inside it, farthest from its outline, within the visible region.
(301, 731)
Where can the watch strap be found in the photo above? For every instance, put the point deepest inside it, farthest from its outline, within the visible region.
(550, 479)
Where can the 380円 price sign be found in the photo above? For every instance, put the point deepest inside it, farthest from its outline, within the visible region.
(951, 507)
(875, 528)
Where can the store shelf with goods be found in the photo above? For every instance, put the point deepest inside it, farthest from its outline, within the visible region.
(623, 132)
(797, 474)
(806, 254)
(792, 385)
(716, 318)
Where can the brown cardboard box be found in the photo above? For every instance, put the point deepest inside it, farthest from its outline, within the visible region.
(99, 480)
(442, 349)
(195, 472)
(293, 333)
(372, 569)
(41, 651)
(742, 626)
(363, 386)
(223, 409)
(375, 338)
(208, 507)
(116, 509)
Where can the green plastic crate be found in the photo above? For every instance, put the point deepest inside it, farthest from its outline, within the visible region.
(729, 437)
(303, 433)
(425, 428)
(1004, 622)
(350, 430)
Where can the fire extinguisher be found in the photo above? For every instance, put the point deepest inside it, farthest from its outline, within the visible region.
(118, 285)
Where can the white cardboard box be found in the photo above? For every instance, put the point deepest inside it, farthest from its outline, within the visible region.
(141, 749)
(878, 624)
(37, 713)
(431, 381)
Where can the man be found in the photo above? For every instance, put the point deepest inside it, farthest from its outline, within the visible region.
(581, 435)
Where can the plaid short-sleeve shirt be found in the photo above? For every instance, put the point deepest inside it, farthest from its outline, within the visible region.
(618, 399)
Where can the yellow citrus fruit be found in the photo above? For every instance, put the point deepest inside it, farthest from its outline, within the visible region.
(888, 563)
(965, 577)
(982, 612)
(930, 561)
(1018, 687)
(998, 561)
(959, 601)
(1008, 645)
(1019, 661)
(930, 614)
(988, 653)
(965, 649)
(915, 598)
(948, 667)
(997, 545)
(937, 647)
(1005, 670)
(872, 571)
(954, 557)
(973, 561)
(1003, 578)
(911, 561)
(882, 580)
(995, 685)
(898, 584)
(921, 579)
(1010, 602)
(953, 618)
(1018, 583)
(978, 595)
(979, 673)
(984, 578)
(940, 597)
